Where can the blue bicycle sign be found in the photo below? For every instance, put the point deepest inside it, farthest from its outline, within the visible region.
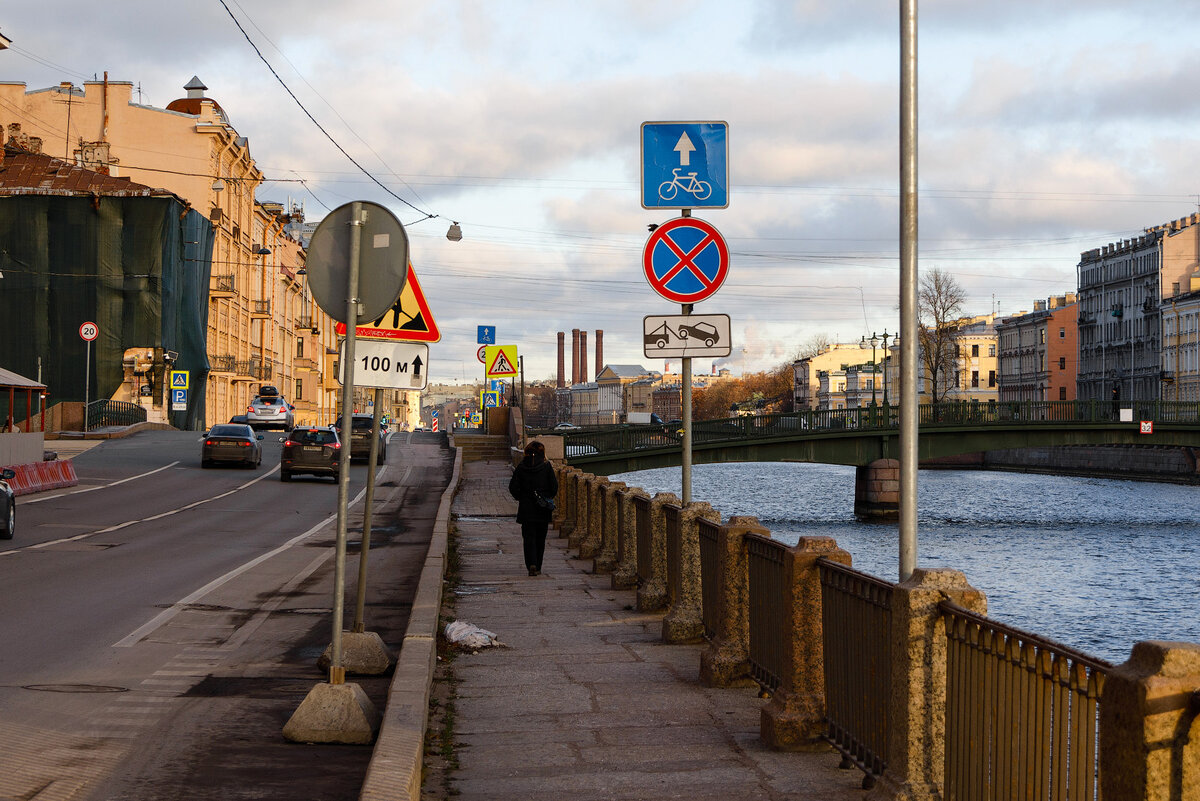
(685, 165)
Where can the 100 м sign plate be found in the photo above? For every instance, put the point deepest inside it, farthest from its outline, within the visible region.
(387, 364)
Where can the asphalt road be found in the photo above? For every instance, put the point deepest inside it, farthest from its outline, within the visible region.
(160, 622)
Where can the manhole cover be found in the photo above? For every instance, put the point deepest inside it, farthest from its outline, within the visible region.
(75, 688)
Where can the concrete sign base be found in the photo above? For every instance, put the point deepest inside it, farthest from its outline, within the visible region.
(334, 713)
(363, 652)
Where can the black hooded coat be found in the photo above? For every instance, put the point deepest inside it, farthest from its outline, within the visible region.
(526, 479)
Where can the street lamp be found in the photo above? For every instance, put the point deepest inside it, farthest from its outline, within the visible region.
(874, 340)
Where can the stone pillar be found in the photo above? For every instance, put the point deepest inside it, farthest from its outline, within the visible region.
(606, 558)
(624, 575)
(794, 718)
(582, 510)
(652, 594)
(877, 490)
(566, 505)
(560, 501)
(589, 544)
(1149, 736)
(726, 660)
(916, 757)
(683, 621)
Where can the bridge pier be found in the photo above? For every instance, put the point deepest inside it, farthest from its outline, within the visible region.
(877, 490)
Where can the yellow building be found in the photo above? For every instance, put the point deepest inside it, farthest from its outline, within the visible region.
(974, 374)
(806, 374)
(263, 327)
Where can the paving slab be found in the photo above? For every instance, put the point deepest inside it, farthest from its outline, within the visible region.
(584, 700)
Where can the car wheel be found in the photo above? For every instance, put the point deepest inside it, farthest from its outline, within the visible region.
(10, 522)
(284, 475)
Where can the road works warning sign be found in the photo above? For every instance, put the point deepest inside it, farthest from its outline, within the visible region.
(500, 361)
(408, 320)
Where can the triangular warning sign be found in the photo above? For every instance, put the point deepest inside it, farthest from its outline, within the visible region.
(409, 320)
(501, 365)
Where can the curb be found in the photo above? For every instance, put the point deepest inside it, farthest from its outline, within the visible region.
(40, 476)
(395, 768)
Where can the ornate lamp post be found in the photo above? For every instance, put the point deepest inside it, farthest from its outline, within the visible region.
(874, 340)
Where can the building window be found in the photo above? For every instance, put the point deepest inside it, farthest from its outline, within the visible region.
(991, 350)
(1062, 362)
(299, 347)
(991, 378)
(299, 389)
(1062, 393)
(1042, 335)
(975, 376)
(1062, 333)
(975, 350)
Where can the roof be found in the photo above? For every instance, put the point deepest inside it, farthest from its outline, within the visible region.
(26, 173)
(10, 379)
(626, 370)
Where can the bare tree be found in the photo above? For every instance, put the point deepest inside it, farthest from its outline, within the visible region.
(939, 312)
(815, 344)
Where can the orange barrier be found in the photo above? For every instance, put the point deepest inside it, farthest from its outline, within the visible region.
(41, 476)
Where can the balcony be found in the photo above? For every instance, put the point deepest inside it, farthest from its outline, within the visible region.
(252, 371)
(222, 364)
(1086, 319)
(222, 286)
(260, 309)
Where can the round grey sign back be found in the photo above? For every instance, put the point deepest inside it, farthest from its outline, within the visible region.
(382, 262)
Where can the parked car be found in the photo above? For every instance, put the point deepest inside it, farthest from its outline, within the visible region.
(312, 450)
(270, 411)
(705, 332)
(239, 418)
(232, 442)
(8, 523)
(360, 437)
(566, 427)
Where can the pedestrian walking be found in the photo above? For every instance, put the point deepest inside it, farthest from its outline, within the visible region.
(534, 485)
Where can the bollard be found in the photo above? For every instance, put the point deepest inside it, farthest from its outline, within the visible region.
(624, 574)
(610, 503)
(726, 660)
(682, 623)
(652, 590)
(589, 544)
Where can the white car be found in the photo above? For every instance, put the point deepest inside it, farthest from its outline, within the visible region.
(565, 427)
(271, 411)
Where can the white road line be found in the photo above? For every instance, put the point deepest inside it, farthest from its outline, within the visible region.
(167, 614)
(99, 487)
(128, 523)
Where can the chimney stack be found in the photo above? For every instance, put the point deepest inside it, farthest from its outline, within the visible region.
(562, 363)
(599, 351)
(575, 356)
(583, 370)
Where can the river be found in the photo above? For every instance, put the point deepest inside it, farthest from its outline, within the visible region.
(1096, 564)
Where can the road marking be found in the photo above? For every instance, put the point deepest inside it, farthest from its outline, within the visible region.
(101, 486)
(174, 609)
(127, 523)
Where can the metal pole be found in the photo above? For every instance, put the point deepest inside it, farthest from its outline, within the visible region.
(686, 481)
(87, 383)
(337, 673)
(908, 288)
(360, 600)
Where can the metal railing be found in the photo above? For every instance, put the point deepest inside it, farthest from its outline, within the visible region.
(645, 566)
(624, 439)
(260, 307)
(856, 624)
(1022, 713)
(223, 283)
(101, 413)
(222, 364)
(709, 535)
(769, 634)
(671, 528)
(258, 370)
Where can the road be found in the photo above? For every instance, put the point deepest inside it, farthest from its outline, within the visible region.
(160, 622)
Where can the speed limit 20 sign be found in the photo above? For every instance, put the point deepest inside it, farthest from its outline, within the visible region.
(89, 331)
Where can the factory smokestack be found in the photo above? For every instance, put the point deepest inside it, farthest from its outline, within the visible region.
(574, 356)
(562, 359)
(599, 350)
(583, 370)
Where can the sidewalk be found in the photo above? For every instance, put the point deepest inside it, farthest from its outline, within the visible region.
(586, 701)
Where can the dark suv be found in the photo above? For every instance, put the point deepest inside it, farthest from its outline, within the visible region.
(310, 449)
(360, 437)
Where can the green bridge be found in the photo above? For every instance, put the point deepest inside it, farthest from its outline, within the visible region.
(862, 436)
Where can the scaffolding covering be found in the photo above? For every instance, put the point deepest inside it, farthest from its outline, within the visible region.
(138, 267)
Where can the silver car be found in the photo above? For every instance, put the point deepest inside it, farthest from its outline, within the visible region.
(270, 411)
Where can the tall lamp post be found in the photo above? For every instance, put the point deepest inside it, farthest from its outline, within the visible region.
(874, 340)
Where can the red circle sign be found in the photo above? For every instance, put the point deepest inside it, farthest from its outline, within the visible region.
(89, 331)
(481, 354)
(685, 260)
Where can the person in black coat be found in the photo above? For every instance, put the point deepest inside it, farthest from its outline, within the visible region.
(532, 478)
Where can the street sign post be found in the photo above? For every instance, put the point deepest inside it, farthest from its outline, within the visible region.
(685, 260)
(686, 335)
(87, 332)
(389, 365)
(179, 400)
(685, 165)
(382, 267)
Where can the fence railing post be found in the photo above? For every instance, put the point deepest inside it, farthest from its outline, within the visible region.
(652, 594)
(568, 487)
(624, 574)
(682, 622)
(589, 543)
(563, 474)
(1149, 750)
(725, 662)
(916, 756)
(606, 556)
(582, 515)
(794, 718)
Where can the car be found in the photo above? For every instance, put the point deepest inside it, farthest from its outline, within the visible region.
(705, 332)
(232, 442)
(312, 450)
(239, 418)
(360, 437)
(566, 427)
(270, 411)
(8, 523)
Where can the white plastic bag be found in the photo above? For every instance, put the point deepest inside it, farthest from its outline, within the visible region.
(470, 636)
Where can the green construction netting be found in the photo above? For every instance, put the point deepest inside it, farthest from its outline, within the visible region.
(138, 267)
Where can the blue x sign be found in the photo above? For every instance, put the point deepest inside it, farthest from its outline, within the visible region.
(685, 165)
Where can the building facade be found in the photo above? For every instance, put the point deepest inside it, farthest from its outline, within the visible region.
(806, 379)
(1037, 352)
(1181, 345)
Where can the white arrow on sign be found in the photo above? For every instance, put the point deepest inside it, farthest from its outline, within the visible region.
(684, 148)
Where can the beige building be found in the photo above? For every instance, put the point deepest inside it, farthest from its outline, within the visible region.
(974, 375)
(263, 327)
(806, 381)
(1181, 345)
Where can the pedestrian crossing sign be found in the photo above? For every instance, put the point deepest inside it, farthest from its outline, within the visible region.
(501, 361)
(488, 399)
(179, 379)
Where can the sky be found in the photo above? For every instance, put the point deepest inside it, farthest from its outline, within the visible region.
(1046, 128)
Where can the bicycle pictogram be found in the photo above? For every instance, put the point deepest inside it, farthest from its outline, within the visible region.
(688, 182)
